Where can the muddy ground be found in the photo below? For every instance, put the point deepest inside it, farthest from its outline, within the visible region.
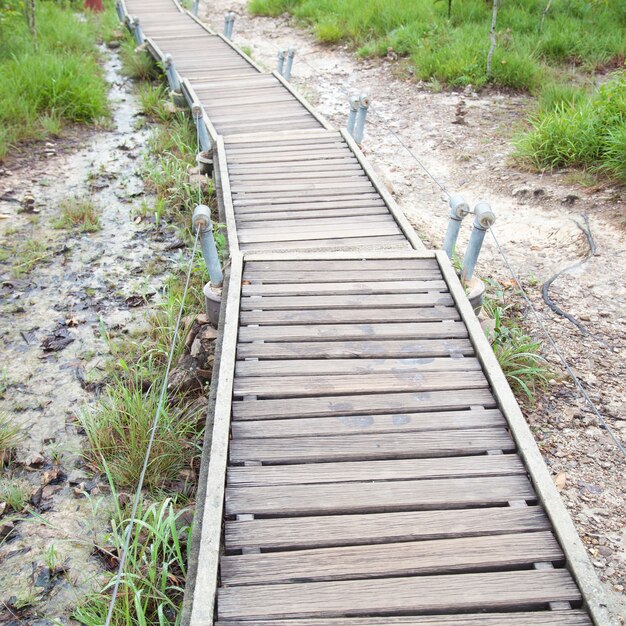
(53, 320)
(536, 227)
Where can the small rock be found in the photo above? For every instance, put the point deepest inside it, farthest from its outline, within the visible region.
(35, 460)
(570, 199)
(3, 508)
(6, 528)
(113, 45)
(520, 192)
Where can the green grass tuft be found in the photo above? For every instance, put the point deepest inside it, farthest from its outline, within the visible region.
(10, 437)
(16, 493)
(587, 131)
(59, 82)
(80, 213)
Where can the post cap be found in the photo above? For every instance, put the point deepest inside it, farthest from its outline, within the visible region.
(196, 110)
(291, 51)
(364, 100)
(484, 216)
(201, 218)
(458, 207)
(354, 102)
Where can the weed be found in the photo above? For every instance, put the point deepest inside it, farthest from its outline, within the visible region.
(454, 51)
(152, 585)
(247, 50)
(60, 82)
(16, 493)
(10, 437)
(154, 103)
(588, 132)
(28, 254)
(78, 212)
(137, 64)
(118, 430)
(518, 354)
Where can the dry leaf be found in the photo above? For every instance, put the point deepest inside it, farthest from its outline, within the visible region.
(559, 480)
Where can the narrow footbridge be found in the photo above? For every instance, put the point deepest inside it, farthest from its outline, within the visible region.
(369, 464)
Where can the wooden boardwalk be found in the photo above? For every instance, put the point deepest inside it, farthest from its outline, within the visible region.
(369, 464)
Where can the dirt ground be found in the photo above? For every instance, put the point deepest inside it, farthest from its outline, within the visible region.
(53, 321)
(536, 228)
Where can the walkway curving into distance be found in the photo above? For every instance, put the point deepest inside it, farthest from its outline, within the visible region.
(369, 464)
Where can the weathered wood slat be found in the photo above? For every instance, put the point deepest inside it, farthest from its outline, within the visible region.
(398, 469)
(363, 497)
(355, 349)
(447, 329)
(319, 386)
(395, 242)
(348, 316)
(363, 405)
(363, 199)
(360, 301)
(371, 446)
(463, 592)
(340, 275)
(439, 556)
(383, 287)
(327, 367)
(322, 265)
(535, 618)
(353, 424)
(248, 218)
(373, 528)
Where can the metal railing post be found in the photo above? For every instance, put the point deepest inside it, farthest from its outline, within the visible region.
(483, 220)
(229, 23)
(137, 31)
(354, 107)
(291, 52)
(196, 4)
(171, 73)
(359, 126)
(201, 220)
(281, 61)
(458, 210)
(203, 134)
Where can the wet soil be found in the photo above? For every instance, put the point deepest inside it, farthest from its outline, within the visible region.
(53, 319)
(536, 215)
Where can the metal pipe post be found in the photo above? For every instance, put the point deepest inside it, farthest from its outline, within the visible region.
(120, 11)
(226, 23)
(171, 73)
(483, 220)
(354, 107)
(290, 54)
(458, 210)
(201, 220)
(137, 31)
(229, 23)
(203, 134)
(281, 61)
(359, 126)
(196, 4)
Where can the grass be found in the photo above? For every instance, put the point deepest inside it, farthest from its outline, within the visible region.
(57, 83)
(16, 493)
(584, 130)
(10, 437)
(152, 588)
(518, 354)
(578, 33)
(80, 213)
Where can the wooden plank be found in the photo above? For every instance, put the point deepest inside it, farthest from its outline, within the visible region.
(328, 367)
(463, 592)
(438, 556)
(302, 233)
(320, 385)
(359, 301)
(368, 287)
(348, 316)
(278, 136)
(372, 528)
(258, 188)
(352, 424)
(362, 405)
(307, 205)
(364, 497)
(398, 469)
(325, 263)
(223, 186)
(270, 224)
(251, 218)
(535, 618)
(390, 242)
(356, 349)
(371, 446)
(337, 274)
(362, 198)
(447, 329)
(209, 551)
